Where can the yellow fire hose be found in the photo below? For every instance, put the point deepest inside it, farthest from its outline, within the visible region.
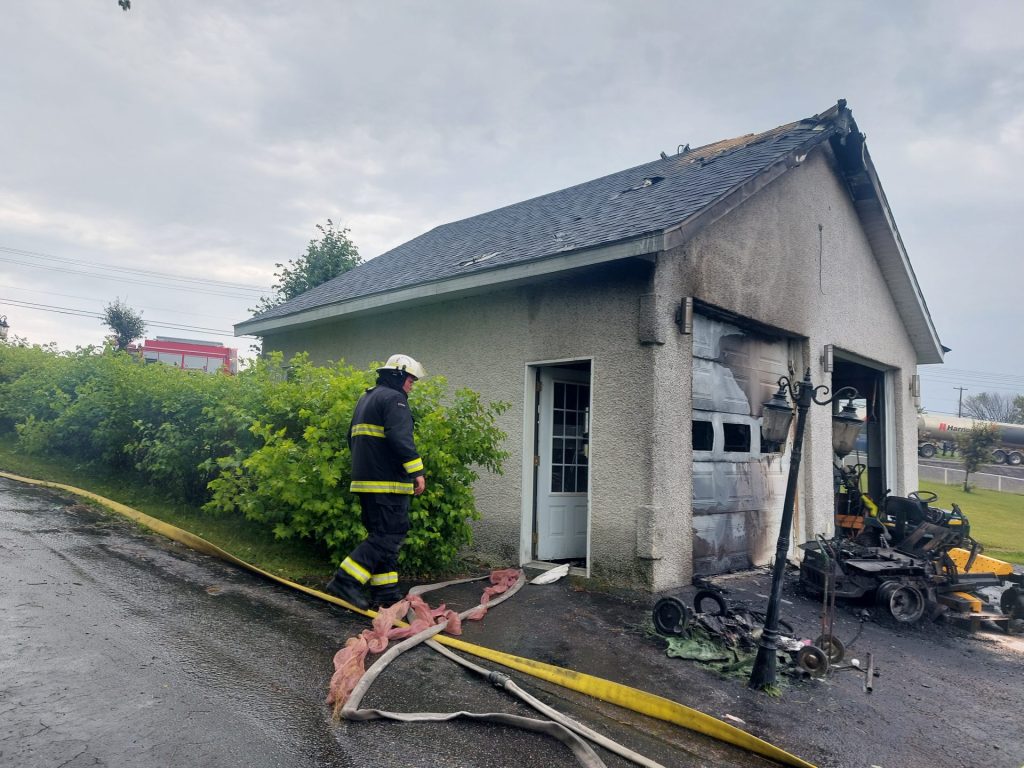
(599, 688)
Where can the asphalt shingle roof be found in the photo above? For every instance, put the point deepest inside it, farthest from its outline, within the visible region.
(631, 203)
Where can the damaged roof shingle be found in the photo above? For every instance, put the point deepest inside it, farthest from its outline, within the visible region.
(631, 203)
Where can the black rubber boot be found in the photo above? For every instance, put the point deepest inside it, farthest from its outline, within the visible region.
(348, 589)
(385, 597)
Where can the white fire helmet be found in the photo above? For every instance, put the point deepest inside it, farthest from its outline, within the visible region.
(404, 363)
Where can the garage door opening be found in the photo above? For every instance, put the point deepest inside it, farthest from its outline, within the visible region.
(873, 405)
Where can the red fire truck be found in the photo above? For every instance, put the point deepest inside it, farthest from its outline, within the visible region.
(190, 354)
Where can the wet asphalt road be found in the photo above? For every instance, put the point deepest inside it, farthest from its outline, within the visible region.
(119, 648)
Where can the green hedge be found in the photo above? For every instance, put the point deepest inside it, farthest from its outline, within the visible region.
(269, 443)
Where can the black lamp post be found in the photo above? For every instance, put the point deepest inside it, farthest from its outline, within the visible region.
(775, 427)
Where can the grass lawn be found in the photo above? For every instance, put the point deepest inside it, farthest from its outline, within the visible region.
(997, 519)
(301, 562)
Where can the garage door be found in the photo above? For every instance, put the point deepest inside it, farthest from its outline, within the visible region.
(737, 490)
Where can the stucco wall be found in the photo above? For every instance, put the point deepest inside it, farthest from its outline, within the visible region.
(486, 343)
(794, 256)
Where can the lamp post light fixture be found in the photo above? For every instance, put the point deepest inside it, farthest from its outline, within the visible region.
(777, 417)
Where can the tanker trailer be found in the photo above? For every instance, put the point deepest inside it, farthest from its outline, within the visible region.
(933, 431)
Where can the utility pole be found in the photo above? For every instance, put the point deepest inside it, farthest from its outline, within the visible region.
(960, 404)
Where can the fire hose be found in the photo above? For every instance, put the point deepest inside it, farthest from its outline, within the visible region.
(559, 725)
(605, 690)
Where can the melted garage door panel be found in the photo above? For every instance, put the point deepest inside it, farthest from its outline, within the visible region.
(736, 496)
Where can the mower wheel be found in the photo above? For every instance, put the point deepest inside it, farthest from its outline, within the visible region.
(1012, 603)
(671, 616)
(832, 646)
(813, 660)
(904, 602)
(703, 595)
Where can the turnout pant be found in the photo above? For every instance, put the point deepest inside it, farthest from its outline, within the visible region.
(375, 560)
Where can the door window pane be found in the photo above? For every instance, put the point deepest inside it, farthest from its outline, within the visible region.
(570, 423)
(568, 462)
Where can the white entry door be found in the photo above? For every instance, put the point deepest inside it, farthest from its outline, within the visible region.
(563, 476)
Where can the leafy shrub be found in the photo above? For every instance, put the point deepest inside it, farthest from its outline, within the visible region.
(297, 479)
(270, 443)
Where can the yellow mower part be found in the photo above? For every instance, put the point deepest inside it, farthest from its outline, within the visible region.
(964, 600)
(872, 507)
(981, 564)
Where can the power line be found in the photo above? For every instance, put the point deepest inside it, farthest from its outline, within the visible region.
(99, 316)
(189, 288)
(1000, 382)
(130, 270)
(944, 372)
(967, 372)
(976, 381)
(102, 301)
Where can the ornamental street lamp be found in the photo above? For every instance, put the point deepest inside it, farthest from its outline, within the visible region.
(775, 427)
(4, 327)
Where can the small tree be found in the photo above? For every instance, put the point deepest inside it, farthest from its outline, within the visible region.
(125, 323)
(992, 406)
(326, 258)
(975, 448)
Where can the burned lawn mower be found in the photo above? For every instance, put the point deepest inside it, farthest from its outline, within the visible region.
(916, 560)
(720, 632)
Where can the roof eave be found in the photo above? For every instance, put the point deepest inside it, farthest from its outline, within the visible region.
(464, 285)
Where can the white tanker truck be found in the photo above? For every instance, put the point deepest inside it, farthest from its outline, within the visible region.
(933, 431)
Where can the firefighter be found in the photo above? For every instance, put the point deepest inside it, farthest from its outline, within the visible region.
(386, 472)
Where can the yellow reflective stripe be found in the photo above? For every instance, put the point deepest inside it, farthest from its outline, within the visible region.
(380, 579)
(368, 430)
(416, 465)
(379, 486)
(355, 570)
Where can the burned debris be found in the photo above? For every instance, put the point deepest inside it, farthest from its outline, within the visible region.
(916, 560)
(723, 633)
(903, 560)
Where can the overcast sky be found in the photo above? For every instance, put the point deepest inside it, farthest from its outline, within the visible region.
(205, 140)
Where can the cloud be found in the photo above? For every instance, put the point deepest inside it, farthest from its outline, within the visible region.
(210, 138)
(311, 161)
(20, 215)
(986, 163)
